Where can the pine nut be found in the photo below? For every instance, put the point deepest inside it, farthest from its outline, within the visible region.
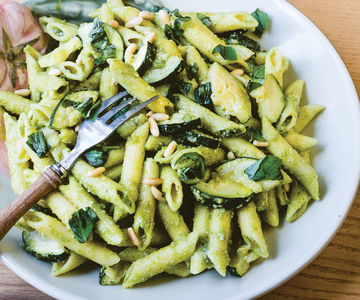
(54, 72)
(114, 24)
(230, 155)
(146, 15)
(96, 172)
(23, 92)
(154, 128)
(160, 117)
(157, 194)
(260, 143)
(134, 22)
(237, 72)
(150, 37)
(113, 81)
(170, 149)
(286, 187)
(150, 113)
(132, 235)
(129, 52)
(164, 17)
(77, 128)
(153, 181)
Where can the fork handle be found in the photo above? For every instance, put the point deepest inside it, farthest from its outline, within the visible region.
(48, 181)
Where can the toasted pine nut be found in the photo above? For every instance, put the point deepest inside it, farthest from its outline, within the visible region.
(286, 187)
(132, 235)
(129, 52)
(260, 143)
(237, 72)
(113, 81)
(114, 24)
(134, 22)
(54, 72)
(150, 37)
(96, 172)
(153, 181)
(164, 17)
(230, 155)
(146, 15)
(77, 128)
(160, 117)
(150, 113)
(157, 194)
(23, 92)
(170, 149)
(154, 128)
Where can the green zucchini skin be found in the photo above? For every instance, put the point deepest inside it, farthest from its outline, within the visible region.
(173, 128)
(173, 68)
(219, 202)
(55, 253)
(194, 138)
(144, 58)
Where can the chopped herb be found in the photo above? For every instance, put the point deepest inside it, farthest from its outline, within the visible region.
(203, 95)
(52, 117)
(100, 42)
(227, 52)
(93, 111)
(82, 223)
(191, 165)
(243, 40)
(156, 9)
(108, 148)
(192, 70)
(37, 143)
(82, 107)
(174, 33)
(232, 271)
(262, 19)
(181, 86)
(258, 77)
(96, 158)
(253, 134)
(268, 167)
(203, 18)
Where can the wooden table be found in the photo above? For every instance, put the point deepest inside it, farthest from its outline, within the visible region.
(335, 273)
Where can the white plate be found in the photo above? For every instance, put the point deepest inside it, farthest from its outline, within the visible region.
(291, 246)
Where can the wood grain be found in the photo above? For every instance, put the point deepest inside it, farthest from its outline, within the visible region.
(335, 274)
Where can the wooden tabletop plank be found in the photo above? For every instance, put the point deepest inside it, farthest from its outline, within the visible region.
(335, 274)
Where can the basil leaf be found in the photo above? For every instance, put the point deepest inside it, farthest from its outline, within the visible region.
(93, 111)
(269, 167)
(262, 19)
(156, 9)
(180, 16)
(172, 34)
(96, 158)
(203, 18)
(52, 117)
(239, 39)
(192, 70)
(37, 143)
(82, 223)
(191, 166)
(100, 42)
(253, 134)
(82, 107)
(232, 271)
(258, 77)
(203, 95)
(227, 52)
(180, 87)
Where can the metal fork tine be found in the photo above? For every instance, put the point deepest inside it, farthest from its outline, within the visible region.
(104, 105)
(118, 121)
(112, 112)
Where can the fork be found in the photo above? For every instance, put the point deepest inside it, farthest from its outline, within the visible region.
(91, 133)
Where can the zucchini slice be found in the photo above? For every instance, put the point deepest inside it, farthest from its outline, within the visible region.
(143, 59)
(196, 138)
(172, 128)
(172, 68)
(270, 99)
(222, 193)
(42, 247)
(234, 169)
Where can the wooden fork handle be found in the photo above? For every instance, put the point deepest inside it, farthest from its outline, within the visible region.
(48, 181)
